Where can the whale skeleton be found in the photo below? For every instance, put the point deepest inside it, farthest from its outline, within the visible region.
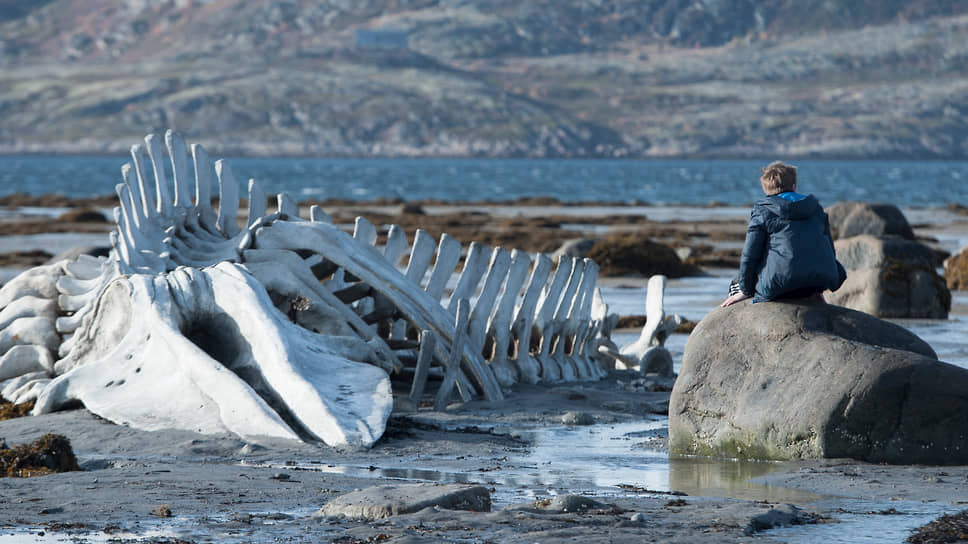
(285, 326)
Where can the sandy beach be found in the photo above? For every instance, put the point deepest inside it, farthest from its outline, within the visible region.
(604, 441)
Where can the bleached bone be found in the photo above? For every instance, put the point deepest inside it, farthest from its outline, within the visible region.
(565, 366)
(544, 319)
(475, 264)
(367, 264)
(648, 353)
(421, 254)
(453, 359)
(188, 342)
(448, 255)
(497, 271)
(428, 342)
(529, 370)
(297, 304)
(499, 326)
(24, 359)
(579, 322)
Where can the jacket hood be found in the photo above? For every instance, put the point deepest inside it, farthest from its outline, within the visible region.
(787, 209)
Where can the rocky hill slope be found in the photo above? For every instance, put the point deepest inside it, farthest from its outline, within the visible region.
(568, 78)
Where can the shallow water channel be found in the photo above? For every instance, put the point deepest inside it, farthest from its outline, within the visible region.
(610, 461)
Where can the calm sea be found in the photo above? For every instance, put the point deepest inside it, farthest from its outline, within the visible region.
(690, 182)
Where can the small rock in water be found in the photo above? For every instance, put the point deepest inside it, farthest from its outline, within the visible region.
(786, 514)
(281, 476)
(570, 503)
(249, 449)
(577, 418)
(637, 517)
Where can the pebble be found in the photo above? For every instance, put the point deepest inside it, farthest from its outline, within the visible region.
(577, 418)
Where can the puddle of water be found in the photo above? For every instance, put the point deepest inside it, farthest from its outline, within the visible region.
(42, 535)
(730, 478)
(605, 460)
(210, 528)
(864, 521)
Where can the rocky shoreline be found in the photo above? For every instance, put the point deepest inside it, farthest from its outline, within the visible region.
(170, 486)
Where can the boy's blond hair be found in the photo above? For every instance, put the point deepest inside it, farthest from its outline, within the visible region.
(778, 178)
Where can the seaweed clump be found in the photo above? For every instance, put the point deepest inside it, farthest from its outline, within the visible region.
(49, 454)
(9, 410)
(947, 528)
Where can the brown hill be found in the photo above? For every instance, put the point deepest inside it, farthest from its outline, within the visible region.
(534, 78)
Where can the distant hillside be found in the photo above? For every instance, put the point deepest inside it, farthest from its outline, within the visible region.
(570, 78)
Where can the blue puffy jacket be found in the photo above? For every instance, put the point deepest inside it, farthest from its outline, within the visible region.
(788, 249)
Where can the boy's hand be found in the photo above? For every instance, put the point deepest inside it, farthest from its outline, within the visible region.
(733, 299)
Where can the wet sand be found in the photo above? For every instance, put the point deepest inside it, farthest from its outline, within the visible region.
(222, 489)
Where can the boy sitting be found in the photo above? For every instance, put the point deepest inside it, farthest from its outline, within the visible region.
(789, 252)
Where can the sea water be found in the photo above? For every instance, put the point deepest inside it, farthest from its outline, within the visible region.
(653, 181)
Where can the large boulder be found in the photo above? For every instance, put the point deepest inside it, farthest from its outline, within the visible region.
(784, 380)
(888, 276)
(637, 255)
(855, 218)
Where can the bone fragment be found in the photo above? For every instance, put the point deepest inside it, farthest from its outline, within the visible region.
(396, 245)
(141, 190)
(228, 207)
(318, 215)
(31, 331)
(257, 202)
(499, 326)
(448, 255)
(22, 359)
(287, 206)
(529, 369)
(428, 343)
(164, 201)
(452, 365)
(178, 153)
(38, 282)
(475, 264)
(203, 189)
(497, 271)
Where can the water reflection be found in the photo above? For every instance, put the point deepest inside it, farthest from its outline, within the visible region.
(605, 460)
(731, 478)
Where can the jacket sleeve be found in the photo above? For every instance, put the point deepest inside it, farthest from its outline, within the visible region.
(841, 272)
(754, 251)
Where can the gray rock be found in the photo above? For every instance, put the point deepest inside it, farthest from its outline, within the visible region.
(638, 517)
(855, 218)
(391, 500)
(809, 380)
(561, 504)
(658, 360)
(888, 276)
(782, 515)
(577, 418)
